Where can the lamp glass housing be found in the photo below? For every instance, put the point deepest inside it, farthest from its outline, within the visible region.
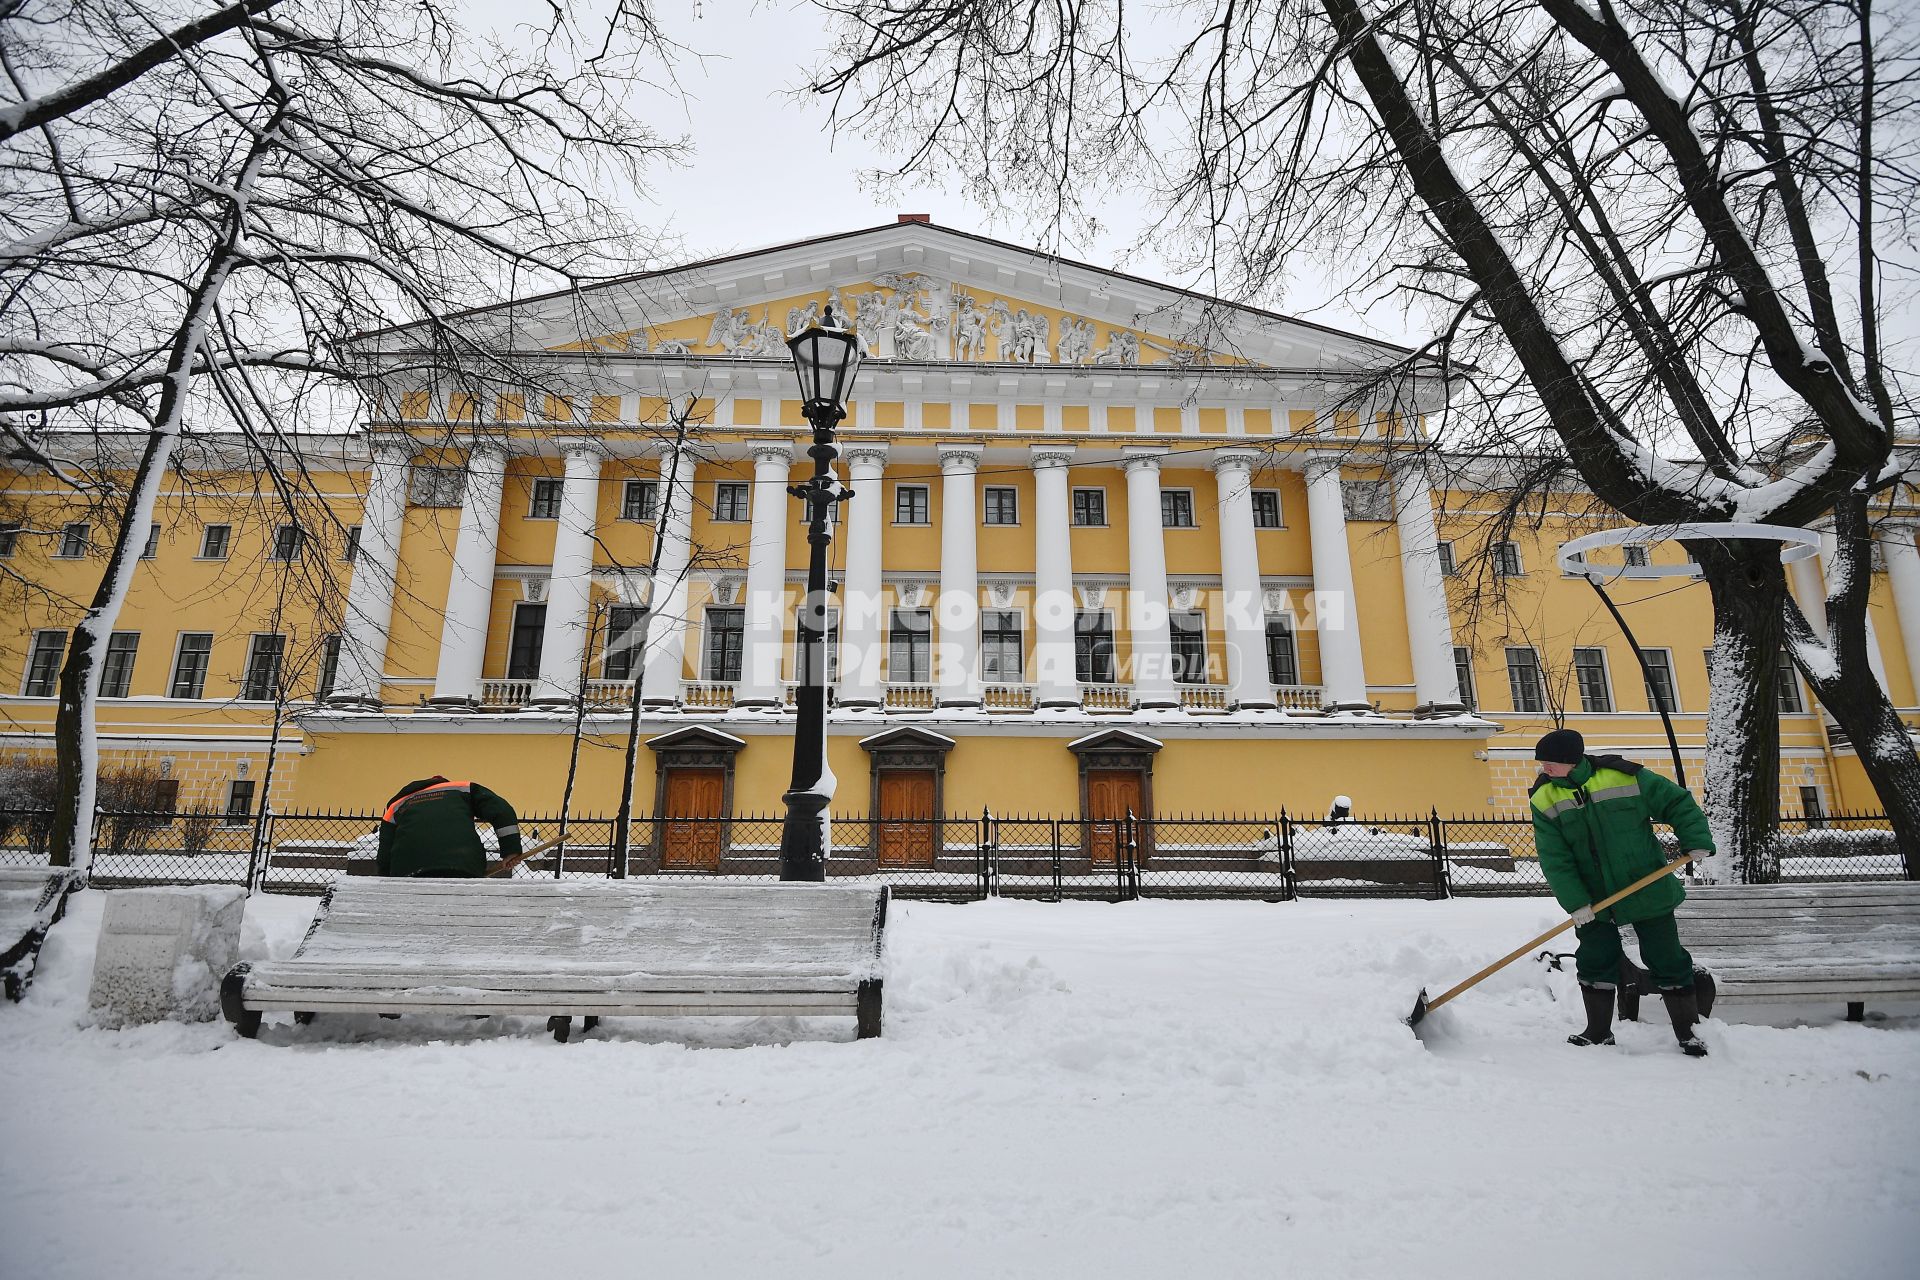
(826, 359)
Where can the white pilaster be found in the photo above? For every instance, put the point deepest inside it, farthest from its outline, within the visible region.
(667, 593)
(570, 587)
(861, 600)
(766, 575)
(369, 615)
(1053, 599)
(1153, 684)
(1829, 547)
(958, 670)
(1244, 605)
(1429, 622)
(463, 629)
(1343, 672)
(1903, 575)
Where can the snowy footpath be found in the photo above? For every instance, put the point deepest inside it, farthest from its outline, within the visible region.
(1152, 1089)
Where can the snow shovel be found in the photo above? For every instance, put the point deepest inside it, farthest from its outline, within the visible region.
(506, 865)
(1424, 1006)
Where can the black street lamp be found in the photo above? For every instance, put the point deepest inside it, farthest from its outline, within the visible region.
(825, 356)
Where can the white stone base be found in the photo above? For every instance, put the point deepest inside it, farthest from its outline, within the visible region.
(163, 952)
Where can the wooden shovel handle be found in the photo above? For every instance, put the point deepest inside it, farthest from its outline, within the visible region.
(1561, 928)
(506, 865)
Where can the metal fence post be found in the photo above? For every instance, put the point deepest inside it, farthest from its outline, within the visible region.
(1123, 837)
(1437, 842)
(1057, 883)
(1289, 873)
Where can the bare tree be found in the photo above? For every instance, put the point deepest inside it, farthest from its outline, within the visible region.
(1654, 233)
(203, 200)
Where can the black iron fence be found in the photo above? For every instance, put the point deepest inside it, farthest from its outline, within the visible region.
(957, 857)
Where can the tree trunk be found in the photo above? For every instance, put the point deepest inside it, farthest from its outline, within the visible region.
(1742, 786)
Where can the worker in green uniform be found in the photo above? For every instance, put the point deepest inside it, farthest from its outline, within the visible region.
(1593, 822)
(428, 829)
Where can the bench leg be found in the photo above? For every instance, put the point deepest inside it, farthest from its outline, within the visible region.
(1856, 1011)
(303, 1018)
(867, 1010)
(561, 1026)
(232, 1002)
(589, 1022)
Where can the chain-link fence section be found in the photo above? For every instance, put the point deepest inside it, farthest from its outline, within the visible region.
(953, 858)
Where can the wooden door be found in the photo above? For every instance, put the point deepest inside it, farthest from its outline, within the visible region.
(692, 822)
(1111, 795)
(905, 819)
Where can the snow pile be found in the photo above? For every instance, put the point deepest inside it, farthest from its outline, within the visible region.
(1149, 1089)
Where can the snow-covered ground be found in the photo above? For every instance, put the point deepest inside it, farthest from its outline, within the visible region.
(1150, 1089)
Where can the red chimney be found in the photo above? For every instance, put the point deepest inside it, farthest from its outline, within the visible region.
(914, 217)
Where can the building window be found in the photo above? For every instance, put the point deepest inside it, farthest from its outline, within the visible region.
(1811, 807)
(526, 642)
(1636, 557)
(832, 647)
(1189, 647)
(1590, 673)
(73, 541)
(730, 502)
(214, 540)
(1176, 508)
(1093, 647)
(1445, 551)
(726, 633)
(1001, 504)
(1366, 499)
(190, 664)
(909, 655)
(351, 551)
(1463, 675)
(116, 665)
(1090, 508)
(9, 539)
(1786, 680)
(1662, 694)
(545, 502)
(1283, 659)
(910, 504)
(286, 542)
(640, 501)
(264, 655)
(43, 665)
(621, 657)
(152, 548)
(329, 668)
(1001, 647)
(239, 803)
(1266, 508)
(1523, 677)
(1506, 560)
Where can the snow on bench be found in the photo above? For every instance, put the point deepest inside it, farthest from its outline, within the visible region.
(577, 949)
(31, 902)
(1797, 944)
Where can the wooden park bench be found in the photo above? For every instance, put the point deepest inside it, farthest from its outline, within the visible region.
(1784, 944)
(567, 949)
(32, 899)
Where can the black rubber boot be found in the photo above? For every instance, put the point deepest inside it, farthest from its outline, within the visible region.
(1599, 1002)
(1684, 1011)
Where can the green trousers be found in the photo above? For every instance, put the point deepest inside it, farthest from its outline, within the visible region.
(1597, 959)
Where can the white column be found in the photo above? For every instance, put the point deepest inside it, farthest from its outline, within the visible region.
(1241, 597)
(958, 671)
(667, 593)
(1053, 600)
(766, 575)
(563, 640)
(1153, 684)
(1903, 575)
(1436, 682)
(369, 615)
(1343, 672)
(463, 630)
(1829, 548)
(861, 599)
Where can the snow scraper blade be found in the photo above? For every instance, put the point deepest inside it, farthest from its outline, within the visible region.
(1423, 1006)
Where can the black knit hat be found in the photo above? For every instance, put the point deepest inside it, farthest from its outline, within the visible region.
(1562, 746)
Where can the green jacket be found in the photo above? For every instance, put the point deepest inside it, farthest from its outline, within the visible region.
(1594, 832)
(428, 829)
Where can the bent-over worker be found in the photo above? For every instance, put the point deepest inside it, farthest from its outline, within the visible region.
(427, 829)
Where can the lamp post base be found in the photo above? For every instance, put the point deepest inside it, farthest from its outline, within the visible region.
(803, 837)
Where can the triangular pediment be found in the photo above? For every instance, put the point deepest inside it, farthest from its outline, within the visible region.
(696, 737)
(909, 738)
(1115, 740)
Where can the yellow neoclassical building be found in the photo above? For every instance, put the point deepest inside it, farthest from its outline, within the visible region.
(1111, 545)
